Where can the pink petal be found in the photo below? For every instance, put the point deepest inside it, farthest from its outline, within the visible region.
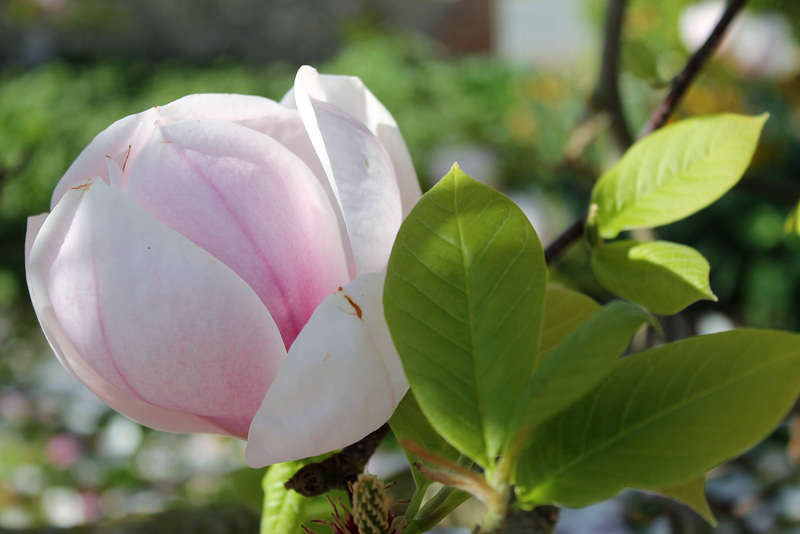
(342, 380)
(360, 173)
(158, 328)
(260, 114)
(257, 113)
(251, 203)
(351, 95)
(124, 139)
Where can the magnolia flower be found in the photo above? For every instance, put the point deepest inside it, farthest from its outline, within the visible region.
(758, 43)
(214, 265)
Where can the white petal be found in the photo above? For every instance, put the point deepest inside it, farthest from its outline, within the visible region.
(360, 172)
(351, 95)
(342, 380)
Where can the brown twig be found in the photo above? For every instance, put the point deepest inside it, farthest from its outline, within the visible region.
(680, 84)
(569, 236)
(540, 520)
(607, 97)
(339, 470)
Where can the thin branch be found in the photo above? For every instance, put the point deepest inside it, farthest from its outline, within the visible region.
(540, 520)
(681, 82)
(607, 96)
(569, 236)
(337, 471)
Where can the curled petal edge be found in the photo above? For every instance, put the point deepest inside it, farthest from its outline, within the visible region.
(351, 95)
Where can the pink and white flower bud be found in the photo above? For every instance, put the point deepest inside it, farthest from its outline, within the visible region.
(192, 248)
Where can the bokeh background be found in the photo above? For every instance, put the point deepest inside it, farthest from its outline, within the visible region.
(504, 87)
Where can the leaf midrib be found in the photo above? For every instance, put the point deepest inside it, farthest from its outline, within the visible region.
(473, 342)
(660, 185)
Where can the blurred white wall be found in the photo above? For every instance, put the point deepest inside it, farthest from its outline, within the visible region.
(546, 33)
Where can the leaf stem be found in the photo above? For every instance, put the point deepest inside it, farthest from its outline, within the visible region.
(416, 501)
(437, 508)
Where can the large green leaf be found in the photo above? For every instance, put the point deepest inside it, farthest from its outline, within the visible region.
(675, 172)
(564, 310)
(693, 495)
(283, 509)
(463, 298)
(663, 277)
(663, 417)
(584, 358)
(640, 61)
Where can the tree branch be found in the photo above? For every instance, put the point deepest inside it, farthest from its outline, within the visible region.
(569, 236)
(540, 520)
(606, 96)
(680, 84)
(337, 471)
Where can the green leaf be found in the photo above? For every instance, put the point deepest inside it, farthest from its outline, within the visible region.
(663, 277)
(463, 298)
(675, 172)
(584, 358)
(693, 495)
(564, 310)
(663, 417)
(409, 423)
(283, 509)
(640, 61)
(792, 224)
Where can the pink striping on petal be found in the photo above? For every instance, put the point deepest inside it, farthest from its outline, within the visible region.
(251, 203)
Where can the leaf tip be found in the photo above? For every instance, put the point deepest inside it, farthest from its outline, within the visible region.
(455, 172)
